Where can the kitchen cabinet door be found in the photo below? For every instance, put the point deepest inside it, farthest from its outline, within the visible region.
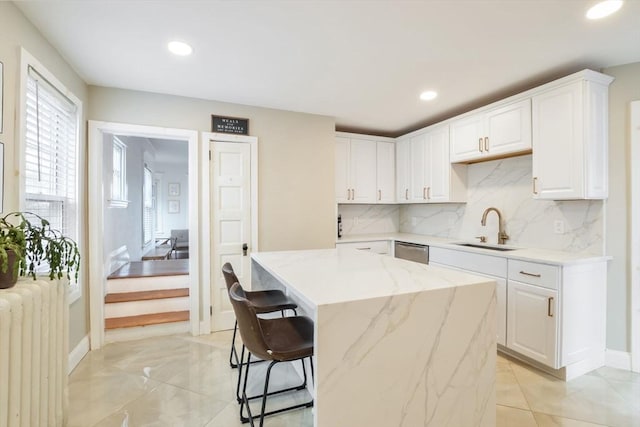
(532, 322)
(386, 179)
(439, 167)
(403, 170)
(362, 163)
(467, 138)
(342, 185)
(418, 184)
(570, 139)
(508, 129)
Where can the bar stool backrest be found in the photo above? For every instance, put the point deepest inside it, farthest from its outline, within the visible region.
(229, 275)
(248, 323)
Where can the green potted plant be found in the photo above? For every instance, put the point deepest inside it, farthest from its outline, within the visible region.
(27, 242)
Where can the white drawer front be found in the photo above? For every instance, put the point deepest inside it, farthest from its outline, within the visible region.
(480, 263)
(378, 246)
(547, 276)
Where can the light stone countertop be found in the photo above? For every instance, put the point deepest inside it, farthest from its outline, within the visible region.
(545, 256)
(329, 276)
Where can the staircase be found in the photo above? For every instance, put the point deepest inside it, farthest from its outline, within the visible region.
(139, 303)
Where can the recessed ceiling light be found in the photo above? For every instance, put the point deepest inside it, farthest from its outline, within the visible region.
(179, 48)
(604, 8)
(429, 95)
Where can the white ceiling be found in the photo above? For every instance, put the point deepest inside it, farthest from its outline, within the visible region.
(364, 62)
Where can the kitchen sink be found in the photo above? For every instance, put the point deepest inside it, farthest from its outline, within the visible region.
(491, 248)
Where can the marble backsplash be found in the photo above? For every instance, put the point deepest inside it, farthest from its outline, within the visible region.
(364, 219)
(506, 185)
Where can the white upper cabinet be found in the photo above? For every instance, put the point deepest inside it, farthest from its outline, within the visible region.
(360, 178)
(431, 178)
(570, 139)
(498, 132)
(343, 181)
(386, 179)
(403, 170)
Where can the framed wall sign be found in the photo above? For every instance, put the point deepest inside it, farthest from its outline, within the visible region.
(233, 125)
(174, 189)
(174, 206)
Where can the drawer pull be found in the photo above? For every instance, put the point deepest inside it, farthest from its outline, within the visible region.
(379, 194)
(406, 194)
(480, 145)
(549, 305)
(530, 274)
(363, 249)
(486, 144)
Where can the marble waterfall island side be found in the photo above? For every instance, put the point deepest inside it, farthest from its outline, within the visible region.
(397, 343)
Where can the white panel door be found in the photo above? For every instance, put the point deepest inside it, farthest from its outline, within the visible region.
(531, 322)
(386, 172)
(231, 224)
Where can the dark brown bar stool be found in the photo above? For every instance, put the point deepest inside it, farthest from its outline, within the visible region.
(269, 301)
(285, 339)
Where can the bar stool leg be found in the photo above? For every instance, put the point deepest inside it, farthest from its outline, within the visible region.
(233, 354)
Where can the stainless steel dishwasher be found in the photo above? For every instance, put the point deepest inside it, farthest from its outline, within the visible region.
(412, 252)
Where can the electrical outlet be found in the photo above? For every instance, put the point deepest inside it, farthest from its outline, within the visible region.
(414, 221)
(558, 226)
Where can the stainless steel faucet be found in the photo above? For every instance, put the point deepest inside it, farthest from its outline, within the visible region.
(502, 236)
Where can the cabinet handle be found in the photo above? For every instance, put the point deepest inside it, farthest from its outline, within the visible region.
(428, 193)
(348, 194)
(424, 193)
(530, 274)
(406, 194)
(379, 194)
(353, 194)
(535, 181)
(486, 144)
(549, 306)
(480, 145)
(363, 249)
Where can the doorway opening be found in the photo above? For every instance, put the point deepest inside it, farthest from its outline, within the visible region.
(143, 231)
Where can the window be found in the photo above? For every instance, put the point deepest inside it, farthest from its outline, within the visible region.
(119, 175)
(50, 144)
(147, 206)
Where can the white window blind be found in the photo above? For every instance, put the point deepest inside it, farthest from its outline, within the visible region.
(119, 175)
(51, 154)
(147, 214)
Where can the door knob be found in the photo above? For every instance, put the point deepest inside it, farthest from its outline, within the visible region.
(245, 247)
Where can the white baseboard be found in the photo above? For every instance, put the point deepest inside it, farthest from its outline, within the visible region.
(76, 355)
(618, 359)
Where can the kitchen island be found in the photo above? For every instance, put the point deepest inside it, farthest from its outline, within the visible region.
(396, 343)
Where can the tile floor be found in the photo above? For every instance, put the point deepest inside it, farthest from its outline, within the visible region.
(186, 381)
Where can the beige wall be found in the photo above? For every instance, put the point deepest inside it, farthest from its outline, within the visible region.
(624, 89)
(17, 32)
(295, 158)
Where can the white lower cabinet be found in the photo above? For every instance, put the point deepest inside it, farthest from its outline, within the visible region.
(553, 314)
(532, 320)
(382, 247)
